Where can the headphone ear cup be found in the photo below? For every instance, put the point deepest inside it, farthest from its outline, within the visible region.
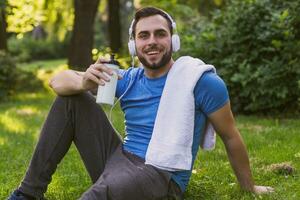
(175, 42)
(131, 47)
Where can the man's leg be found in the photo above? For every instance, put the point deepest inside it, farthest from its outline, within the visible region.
(127, 177)
(73, 118)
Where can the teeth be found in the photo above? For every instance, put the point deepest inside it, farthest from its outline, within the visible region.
(152, 52)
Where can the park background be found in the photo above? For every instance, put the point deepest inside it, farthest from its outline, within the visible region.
(254, 44)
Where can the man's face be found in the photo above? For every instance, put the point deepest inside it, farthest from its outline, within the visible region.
(153, 41)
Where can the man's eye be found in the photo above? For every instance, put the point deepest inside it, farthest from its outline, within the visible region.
(143, 36)
(161, 34)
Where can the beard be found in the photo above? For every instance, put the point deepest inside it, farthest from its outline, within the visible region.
(155, 65)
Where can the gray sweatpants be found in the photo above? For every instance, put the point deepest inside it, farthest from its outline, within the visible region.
(115, 173)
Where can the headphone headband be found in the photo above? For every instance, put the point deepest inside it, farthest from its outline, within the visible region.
(173, 25)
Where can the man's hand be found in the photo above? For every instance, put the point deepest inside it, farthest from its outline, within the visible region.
(262, 189)
(96, 74)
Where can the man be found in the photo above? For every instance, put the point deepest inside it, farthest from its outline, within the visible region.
(118, 170)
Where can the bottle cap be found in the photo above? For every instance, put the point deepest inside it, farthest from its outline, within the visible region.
(113, 61)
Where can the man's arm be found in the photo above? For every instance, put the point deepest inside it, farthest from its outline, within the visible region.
(70, 82)
(67, 82)
(223, 122)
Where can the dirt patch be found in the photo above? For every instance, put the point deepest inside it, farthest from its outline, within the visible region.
(284, 168)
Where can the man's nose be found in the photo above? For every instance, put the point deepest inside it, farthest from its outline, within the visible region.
(152, 39)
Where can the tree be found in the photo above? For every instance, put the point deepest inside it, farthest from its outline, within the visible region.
(204, 7)
(3, 39)
(82, 36)
(114, 25)
(126, 16)
(59, 18)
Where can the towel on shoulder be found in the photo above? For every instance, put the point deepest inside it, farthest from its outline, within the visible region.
(170, 147)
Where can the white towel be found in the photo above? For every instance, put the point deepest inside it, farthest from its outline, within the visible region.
(170, 147)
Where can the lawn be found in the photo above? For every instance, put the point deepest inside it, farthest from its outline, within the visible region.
(273, 145)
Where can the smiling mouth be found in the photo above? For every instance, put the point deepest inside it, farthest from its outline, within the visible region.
(152, 53)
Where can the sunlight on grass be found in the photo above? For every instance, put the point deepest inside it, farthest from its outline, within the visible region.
(36, 65)
(12, 124)
(26, 111)
(44, 70)
(2, 141)
(31, 96)
(45, 74)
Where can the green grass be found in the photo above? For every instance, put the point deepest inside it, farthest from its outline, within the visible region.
(45, 65)
(269, 141)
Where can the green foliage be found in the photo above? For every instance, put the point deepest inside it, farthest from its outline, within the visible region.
(14, 79)
(23, 15)
(180, 12)
(28, 48)
(56, 16)
(255, 46)
(59, 17)
(7, 75)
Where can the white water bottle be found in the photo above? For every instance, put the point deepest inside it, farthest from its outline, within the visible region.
(106, 94)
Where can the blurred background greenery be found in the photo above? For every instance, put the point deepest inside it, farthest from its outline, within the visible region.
(254, 44)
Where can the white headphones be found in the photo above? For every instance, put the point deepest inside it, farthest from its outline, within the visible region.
(175, 37)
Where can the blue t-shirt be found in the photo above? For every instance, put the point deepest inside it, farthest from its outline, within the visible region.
(141, 96)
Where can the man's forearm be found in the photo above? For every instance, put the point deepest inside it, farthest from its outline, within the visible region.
(67, 82)
(239, 160)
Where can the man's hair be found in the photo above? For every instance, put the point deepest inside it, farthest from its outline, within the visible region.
(147, 12)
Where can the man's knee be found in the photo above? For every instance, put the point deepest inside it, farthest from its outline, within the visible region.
(81, 97)
(84, 99)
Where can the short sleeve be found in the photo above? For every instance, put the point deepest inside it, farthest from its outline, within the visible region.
(210, 93)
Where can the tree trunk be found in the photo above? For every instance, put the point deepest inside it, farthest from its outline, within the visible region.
(80, 56)
(114, 26)
(3, 38)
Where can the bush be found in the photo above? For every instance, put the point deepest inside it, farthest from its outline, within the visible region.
(28, 49)
(13, 79)
(255, 46)
(8, 74)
